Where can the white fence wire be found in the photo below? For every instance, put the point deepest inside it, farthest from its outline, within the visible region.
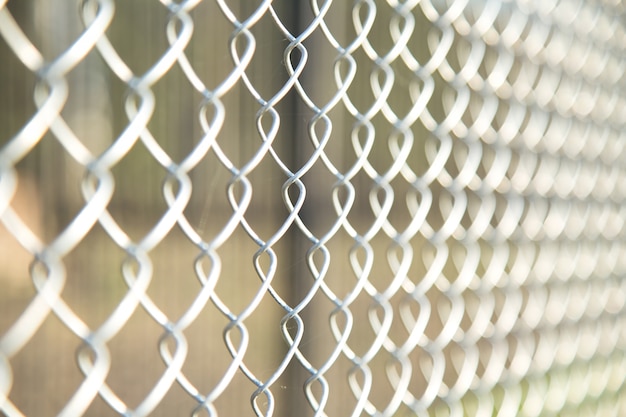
(322, 208)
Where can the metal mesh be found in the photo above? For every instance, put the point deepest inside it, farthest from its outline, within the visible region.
(313, 208)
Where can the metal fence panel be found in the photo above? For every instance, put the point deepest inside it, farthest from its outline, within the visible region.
(325, 208)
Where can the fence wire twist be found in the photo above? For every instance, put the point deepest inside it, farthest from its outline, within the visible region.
(471, 159)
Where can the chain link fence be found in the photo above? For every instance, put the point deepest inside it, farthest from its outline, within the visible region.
(328, 208)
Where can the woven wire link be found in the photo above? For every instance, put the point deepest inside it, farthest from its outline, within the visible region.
(473, 256)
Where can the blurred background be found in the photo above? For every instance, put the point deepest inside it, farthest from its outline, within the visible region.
(515, 260)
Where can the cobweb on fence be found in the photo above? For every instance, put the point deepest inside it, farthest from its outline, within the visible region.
(313, 208)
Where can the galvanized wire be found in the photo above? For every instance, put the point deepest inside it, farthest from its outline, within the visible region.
(496, 127)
